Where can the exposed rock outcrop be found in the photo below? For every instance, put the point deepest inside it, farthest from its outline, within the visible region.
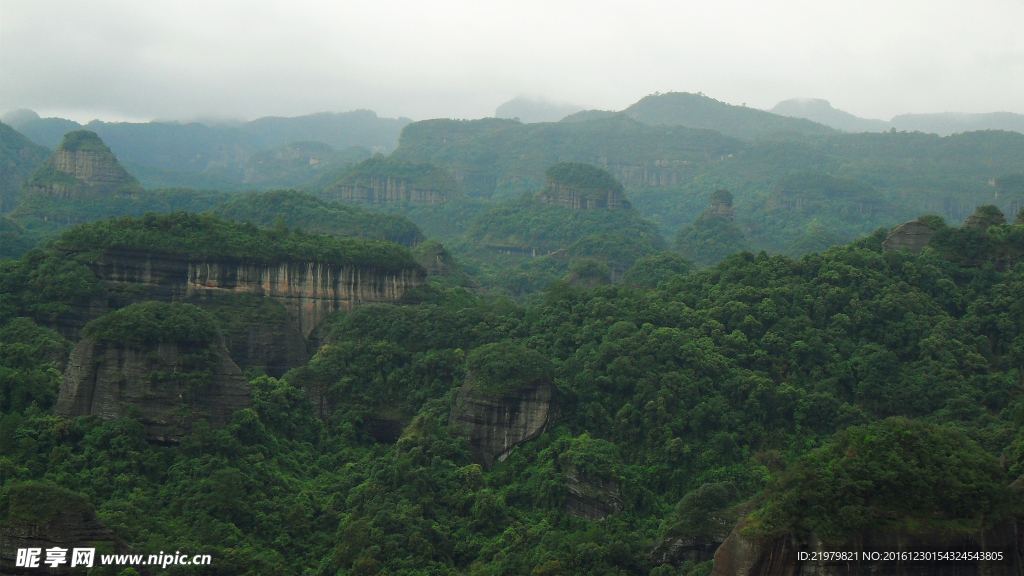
(582, 187)
(496, 424)
(381, 180)
(721, 205)
(382, 190)
(912, 236)
(589, 497)
(43, 516)
(154, 383)
(273, 345)
(697, 546)
(81, 167)
(508, 398)
(309, 291)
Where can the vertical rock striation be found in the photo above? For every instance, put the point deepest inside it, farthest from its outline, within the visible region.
(496, 424)
(309, 291)
(112, 381)
(386, 190)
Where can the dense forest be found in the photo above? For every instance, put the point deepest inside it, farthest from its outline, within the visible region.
(597, 346)
(757, 382)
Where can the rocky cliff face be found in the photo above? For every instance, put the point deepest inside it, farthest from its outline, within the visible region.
(45, 517)
(741, 555)
(497, 424)
(82, 166)
(113, 381)
(699, 546)
(309, 291)
(576, 199)
(591, 498)
(386, 190)
(912, 236)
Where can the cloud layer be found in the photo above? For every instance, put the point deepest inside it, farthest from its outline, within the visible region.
(142, 60)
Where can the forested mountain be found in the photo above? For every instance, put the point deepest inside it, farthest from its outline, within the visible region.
(788, 193)
(19, 159)
(700, 111)
(168, 154)
(942, 124)
(869, 393)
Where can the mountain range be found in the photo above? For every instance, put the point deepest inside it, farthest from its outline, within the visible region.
(943, 124)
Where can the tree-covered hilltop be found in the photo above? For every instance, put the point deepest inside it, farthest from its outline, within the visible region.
(700, 111)
(312, 214)
(843, 393)
(205, 236)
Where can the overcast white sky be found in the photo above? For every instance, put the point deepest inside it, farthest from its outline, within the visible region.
(119, 60)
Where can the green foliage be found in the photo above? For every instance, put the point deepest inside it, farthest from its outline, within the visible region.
(696, 512)
(588, 272)
(650, 271)
(892, 474)
(146, 324)
(311, 214)
(31, 361)
(19, 159)
(83, 141)
(695, 390)
(710, 239)
(588, 179)
(205, 236)
(39, 502)
(46, 285)
(505, 366)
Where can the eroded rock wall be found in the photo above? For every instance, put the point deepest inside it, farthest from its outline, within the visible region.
(389, 190)
(309, 291)
(591, 498)
(497, 424)
(112, 381)
(574, 199)
(912, 236)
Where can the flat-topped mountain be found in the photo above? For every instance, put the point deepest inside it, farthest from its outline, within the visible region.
(381, 180)
(82, 166)
(582, 187)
